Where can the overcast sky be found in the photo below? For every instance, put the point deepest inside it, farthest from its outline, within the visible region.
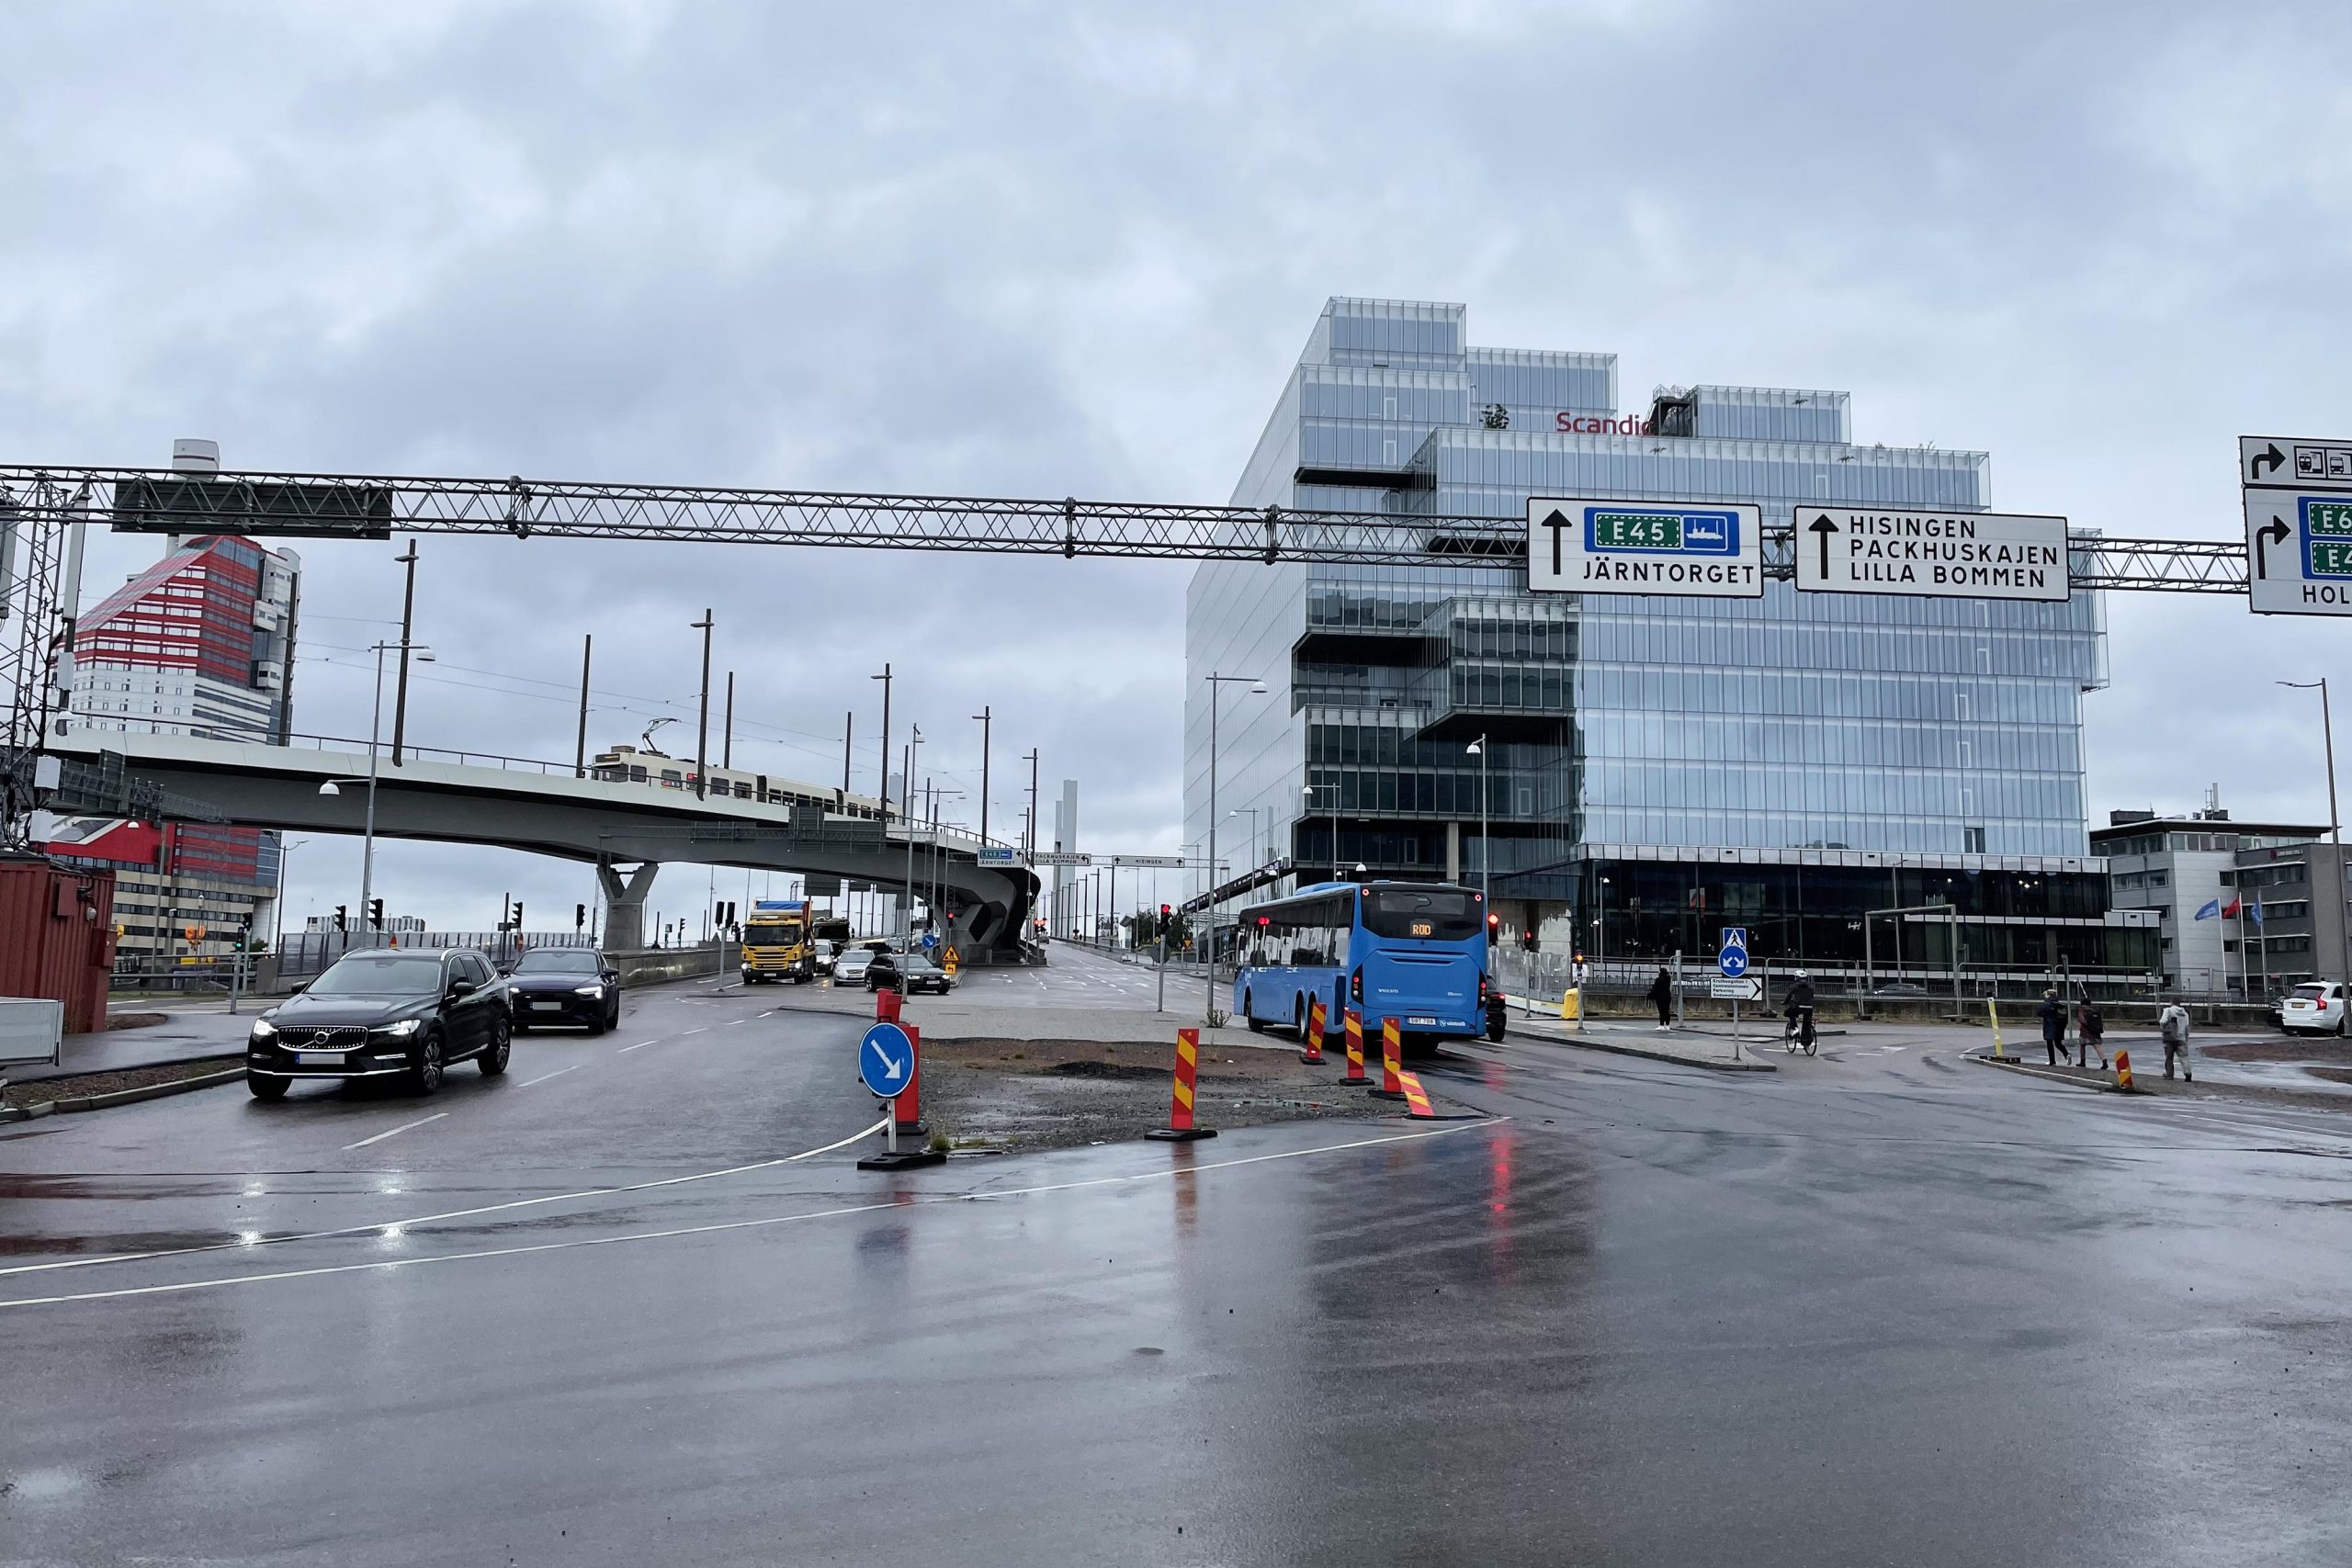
(1047, 251)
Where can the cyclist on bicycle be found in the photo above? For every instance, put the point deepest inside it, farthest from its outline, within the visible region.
(1799, 1007)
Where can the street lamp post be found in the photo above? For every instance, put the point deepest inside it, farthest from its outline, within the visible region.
(1258, 687)
(702, 724)
(1600, 930)
(375, 724)
(907, 922)
(2334, 830)
(1485, 855)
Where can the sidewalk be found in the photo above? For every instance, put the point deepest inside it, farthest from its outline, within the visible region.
(189, 1036)
(1687, 1048)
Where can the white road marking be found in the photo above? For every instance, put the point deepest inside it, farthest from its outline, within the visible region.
(401, 1128)
(408, 1224)
(639, 1047)
(694, 1031)
(672, 1233)
(556, 1074)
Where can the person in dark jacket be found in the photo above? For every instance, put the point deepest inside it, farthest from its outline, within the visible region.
(1797, 1003)
(2053, 1027)
(2090, 1031)
(1662, 993)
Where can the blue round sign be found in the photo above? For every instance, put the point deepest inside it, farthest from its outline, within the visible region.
(930, 941)
(1733, 962)
(886, 1060)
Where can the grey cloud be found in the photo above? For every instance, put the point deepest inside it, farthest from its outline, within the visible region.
(1033, 252)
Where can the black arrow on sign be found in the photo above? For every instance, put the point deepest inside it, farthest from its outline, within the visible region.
(2275, 534)
(1823, 527)
(2270, 454)
(1557, 522)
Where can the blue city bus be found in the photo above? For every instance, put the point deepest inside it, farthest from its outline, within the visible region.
(1414, 952)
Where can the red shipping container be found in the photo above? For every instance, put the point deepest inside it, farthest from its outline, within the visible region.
(56, 937)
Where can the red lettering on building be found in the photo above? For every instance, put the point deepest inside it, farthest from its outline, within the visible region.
(1568, 423)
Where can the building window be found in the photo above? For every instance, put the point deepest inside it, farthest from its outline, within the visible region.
(1973, 840)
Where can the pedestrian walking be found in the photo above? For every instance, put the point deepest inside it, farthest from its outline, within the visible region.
(2053, 1028)
(1662, 993)
(2090, 1031)
(2173, 1025)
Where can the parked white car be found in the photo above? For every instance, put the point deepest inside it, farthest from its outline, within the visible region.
(2314, 1008)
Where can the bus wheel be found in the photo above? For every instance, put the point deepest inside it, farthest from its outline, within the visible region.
(1298, 1022)
(1250, 1018)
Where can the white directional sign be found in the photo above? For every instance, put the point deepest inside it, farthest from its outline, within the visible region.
(2299, 552)
(997, 855)
(1750, 989)
(1061, 857)
(1705, 548)
(2294, 462)
(1942, 555)
(2298, 525)
(1155, 862)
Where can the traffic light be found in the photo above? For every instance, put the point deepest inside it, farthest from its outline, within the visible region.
(1494, 929)
(342, 917)
(580, 917)
(518, 914)
(376, 913)
(1527, 941)
(1166, 911)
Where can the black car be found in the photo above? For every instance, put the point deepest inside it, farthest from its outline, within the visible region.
(565, 985)
(380, 1014)
(908, 973)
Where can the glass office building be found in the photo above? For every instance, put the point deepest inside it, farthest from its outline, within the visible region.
(1788, 762)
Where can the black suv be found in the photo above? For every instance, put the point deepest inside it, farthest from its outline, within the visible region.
(384, 1013)
(565, 985)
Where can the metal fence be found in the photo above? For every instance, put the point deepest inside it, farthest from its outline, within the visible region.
(307, 953)
(1543, 977)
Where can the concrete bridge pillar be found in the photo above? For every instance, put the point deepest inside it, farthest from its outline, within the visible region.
(624, 905)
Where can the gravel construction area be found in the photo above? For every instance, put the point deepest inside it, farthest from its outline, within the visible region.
(2322, 1052)
(108, 1083)
(135, 1019)
(1025, 1094)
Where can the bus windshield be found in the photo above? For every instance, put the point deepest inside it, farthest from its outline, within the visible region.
(1440, 915)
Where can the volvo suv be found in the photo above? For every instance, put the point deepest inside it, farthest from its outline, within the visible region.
(385, 1014)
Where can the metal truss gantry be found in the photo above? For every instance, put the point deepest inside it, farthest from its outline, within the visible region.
(374, 506)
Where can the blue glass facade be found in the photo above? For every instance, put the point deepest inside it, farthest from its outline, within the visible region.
(1878, 726)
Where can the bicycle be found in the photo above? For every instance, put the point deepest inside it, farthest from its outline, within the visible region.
(1798, 1034)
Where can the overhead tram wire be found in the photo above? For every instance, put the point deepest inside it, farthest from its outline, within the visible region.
(267, 503)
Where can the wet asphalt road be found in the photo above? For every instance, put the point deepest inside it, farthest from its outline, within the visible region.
(1882, 1307)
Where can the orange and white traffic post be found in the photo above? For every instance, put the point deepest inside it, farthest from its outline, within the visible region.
(1355, 1048)
(1417, 1099)
(1392, 1052)
(1313, 1053)
(1180, 1128)
(2123, 1072)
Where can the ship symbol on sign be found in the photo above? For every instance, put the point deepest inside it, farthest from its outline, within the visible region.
(1704, 531)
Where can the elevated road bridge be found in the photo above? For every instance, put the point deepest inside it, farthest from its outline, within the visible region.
(627, 830)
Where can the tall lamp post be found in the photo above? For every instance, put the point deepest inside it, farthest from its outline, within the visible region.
(1600, 930)
(2334, 827)
(1309, 792)
(1485, 855)
(375, 722)
(1258, 688)
(907, 922)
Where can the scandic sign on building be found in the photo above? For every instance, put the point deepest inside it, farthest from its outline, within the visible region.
(1712, 549)
(1952, 555)
(1568, 423)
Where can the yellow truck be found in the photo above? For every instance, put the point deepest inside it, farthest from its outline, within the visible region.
(778, 943)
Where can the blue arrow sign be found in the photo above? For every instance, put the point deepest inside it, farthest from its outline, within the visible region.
(1732, 958)
(886, 1060)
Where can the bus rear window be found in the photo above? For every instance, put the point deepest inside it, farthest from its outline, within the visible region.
(1443, 916)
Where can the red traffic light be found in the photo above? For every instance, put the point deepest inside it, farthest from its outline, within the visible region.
(1166, 911)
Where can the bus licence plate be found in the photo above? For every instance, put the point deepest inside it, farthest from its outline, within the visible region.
(1428, 1021)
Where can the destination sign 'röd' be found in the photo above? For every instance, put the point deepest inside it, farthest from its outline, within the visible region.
(1942, 555)
(1712, 549)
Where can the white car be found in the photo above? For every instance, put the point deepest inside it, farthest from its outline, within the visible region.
(850, 966)
(2315, 1008)
(828, 949)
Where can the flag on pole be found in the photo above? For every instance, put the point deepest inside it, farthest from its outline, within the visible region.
(2210, 907)
(2254, 911)
(2230, 910)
